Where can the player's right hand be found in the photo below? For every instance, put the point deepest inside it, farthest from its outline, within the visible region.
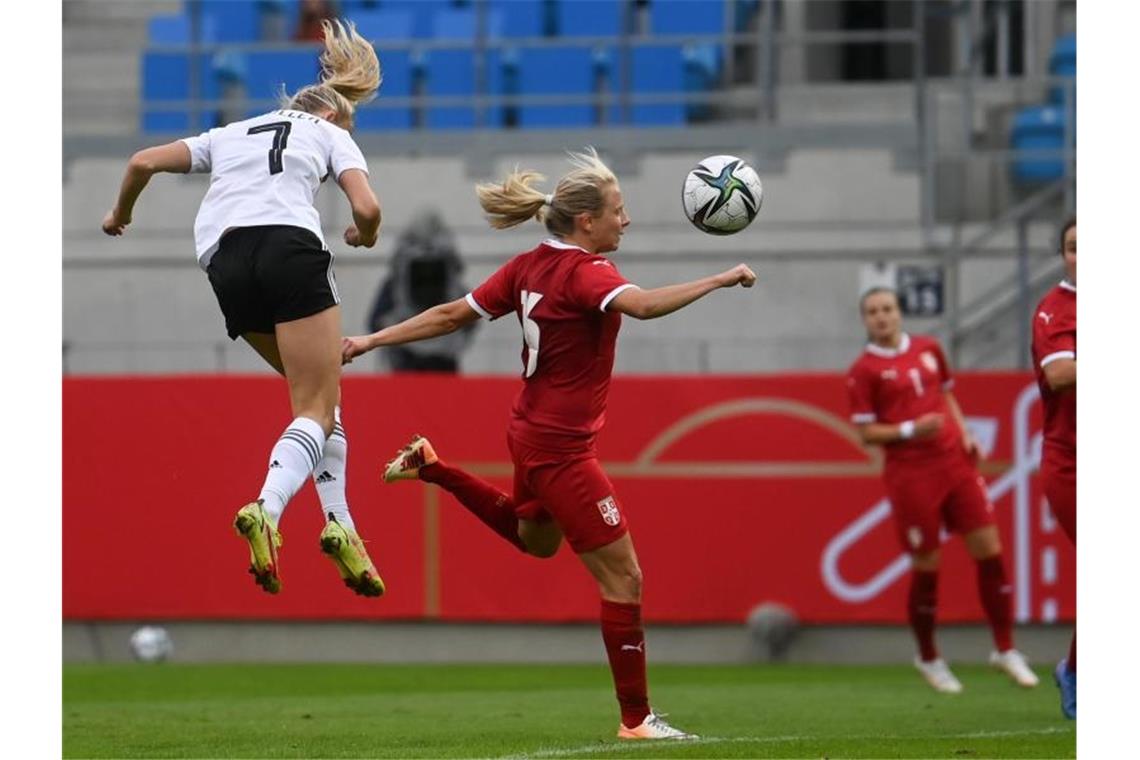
(928, 424)
(353, 238)
(741, 274)
(114, 224)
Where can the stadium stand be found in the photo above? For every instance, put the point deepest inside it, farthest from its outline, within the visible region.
(409, 35)
(1047, 127)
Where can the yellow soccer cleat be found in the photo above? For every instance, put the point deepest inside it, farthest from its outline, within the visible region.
(409, 460)
(253, 524)
(346, 550)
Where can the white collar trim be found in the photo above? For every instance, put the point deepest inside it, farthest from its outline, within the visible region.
(1066, 285)
(563, 246)
(890, 353)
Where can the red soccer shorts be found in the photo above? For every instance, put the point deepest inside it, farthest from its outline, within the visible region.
(573, 490)
(926, 497)
(1059, 482)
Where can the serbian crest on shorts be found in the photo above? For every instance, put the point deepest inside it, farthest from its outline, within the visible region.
(928, 361)
(609, 510)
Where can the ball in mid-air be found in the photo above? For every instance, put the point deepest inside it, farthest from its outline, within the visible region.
(722, 195)
(151, 644)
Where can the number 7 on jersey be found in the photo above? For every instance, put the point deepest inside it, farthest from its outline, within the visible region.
(280, 130)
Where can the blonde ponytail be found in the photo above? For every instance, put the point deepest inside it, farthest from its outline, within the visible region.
(581, 191)
(514, 201)
(350, 74)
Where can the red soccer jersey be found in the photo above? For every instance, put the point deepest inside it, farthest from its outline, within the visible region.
(894, 385)
(1055, 337)
(559, 293)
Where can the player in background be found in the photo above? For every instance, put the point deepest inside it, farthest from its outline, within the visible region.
(1055, 362)
(569, 299)
(258, 238)
(901, 399)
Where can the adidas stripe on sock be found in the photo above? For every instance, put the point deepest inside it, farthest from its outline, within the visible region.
(293, 458)
(330, 474)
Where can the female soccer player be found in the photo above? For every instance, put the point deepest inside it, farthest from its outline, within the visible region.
(1055, 362)
(900, 396)
(568, 298)
(258, 238)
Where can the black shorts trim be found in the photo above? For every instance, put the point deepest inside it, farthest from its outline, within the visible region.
(270, 274)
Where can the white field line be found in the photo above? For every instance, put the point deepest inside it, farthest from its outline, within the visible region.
(591, 749)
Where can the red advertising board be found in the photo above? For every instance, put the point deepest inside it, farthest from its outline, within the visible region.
(738, 490)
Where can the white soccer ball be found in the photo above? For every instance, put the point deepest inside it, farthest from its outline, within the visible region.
(722, 195)
(151, 644)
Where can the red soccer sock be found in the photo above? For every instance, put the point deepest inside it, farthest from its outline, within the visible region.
(493, 507)
(996, 594)
(1071, 663)
(921, 608)
(625, 646)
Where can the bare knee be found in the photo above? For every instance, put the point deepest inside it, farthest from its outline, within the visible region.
(983, 543)
(624, 586)
(925, 562)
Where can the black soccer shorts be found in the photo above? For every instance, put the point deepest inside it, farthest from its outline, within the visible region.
(270, 274)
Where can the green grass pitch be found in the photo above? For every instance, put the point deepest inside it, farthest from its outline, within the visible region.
(340, 710)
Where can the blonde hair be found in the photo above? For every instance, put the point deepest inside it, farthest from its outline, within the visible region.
(350, 74)
(516, 200)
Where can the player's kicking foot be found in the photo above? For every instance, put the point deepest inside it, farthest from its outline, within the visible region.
(253, 524)
(1067, 682)
(346, 550)
(937, 674)
(409, 460)
(653, 727)
(1013, 664)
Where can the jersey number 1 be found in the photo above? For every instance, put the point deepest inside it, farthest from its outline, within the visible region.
(280, 130)
(530, 331)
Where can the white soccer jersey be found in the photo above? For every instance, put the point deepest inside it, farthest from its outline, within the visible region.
(266, 170)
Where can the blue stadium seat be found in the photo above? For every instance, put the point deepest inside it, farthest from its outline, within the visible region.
(658, 70)
(451, 72)
(166, 80)
(231, 20)
(168, 30)
(1063, 63)
(686, 17)
(558, 71)
(373, 116)
(1038, 128)
(590, 18)
(422, 12)
(512, 19)
(266, 71)
(384, 25)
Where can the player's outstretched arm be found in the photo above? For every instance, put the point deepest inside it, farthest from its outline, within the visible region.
(172, 157)
(1060, 374)
(438, 320)
(650, 304)
(365, 227)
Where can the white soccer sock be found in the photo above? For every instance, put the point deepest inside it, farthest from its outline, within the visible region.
(330, 475)
(292, 460)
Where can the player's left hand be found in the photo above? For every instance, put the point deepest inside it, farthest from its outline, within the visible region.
(350, 348)
(741, 274)
(114, 223)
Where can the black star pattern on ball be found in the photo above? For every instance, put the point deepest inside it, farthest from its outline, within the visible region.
(725, 183)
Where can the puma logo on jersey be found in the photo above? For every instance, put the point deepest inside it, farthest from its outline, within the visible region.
(639, 648)
(1047, 318)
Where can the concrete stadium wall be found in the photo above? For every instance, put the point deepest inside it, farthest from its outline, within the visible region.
(140, 304)
(203, 641)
